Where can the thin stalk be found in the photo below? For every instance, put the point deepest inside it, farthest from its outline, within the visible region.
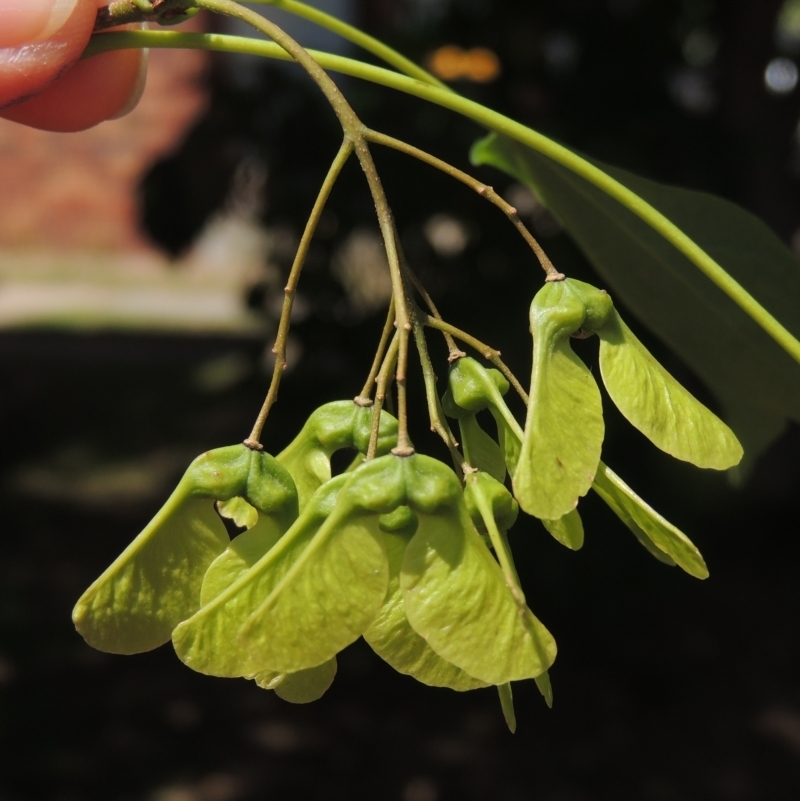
(454, 350)
(354, 132)
(357, 37)
(485, 350)
(364, 398)
(478, 186)
(496, 122)
(438, 421)
(382, 383)
(279, 349)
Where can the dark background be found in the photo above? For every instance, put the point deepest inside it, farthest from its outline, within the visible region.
(665, 687)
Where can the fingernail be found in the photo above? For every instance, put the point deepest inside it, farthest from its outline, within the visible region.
(30, 21)
(138, 89)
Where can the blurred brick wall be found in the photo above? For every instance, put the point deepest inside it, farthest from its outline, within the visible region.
(78, 191)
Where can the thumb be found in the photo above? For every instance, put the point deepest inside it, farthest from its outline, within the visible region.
(40, 83)
(39, 40)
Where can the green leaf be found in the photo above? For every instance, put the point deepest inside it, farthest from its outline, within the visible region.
(756, 381)
(568, 530)
(207, 642)
(327, 598)
(155, 583)
(391, 636)
(456, 598)
(302, 687)
(647, 524)
(655, 403)
(564, 426)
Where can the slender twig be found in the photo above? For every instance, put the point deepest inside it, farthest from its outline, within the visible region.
(364, 398)
(485, 350)
(380, 393)
(494, 121)
(279, 349)
(478, 186)
(354, 132)
(357, 37)
(438, 421)
(454, 350)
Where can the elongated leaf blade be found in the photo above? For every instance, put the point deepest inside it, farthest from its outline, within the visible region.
(156, 581)
(391, 636)
(563, 434)
(757, 383)
(642, 519)
(456, 598)
(655, 403)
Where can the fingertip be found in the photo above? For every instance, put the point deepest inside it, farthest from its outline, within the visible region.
(27, 69)
(103, 87)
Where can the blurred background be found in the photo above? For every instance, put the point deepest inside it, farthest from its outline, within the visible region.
(141, 267)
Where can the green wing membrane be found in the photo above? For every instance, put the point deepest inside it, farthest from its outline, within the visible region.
(655, 403)
(480, 450)
(563, 433)
(391, 636)
(568, 530)
(302, 687)
(456, 598)
(325, 601)
(207, 642)
(156, 581)
(647, 524)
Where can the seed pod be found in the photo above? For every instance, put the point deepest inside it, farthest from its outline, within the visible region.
(455, 597)
(332, 427)
(472, 388)
(564, 424)
(156, 582)
(655, 403)
(207, 642)
(391, 636)
(484, 495)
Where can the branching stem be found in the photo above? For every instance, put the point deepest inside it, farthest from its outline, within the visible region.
(485, 350)
(384, 376)
(455, 351)
(478, 186)
(354, 134)
(279, 349)
(365, 396)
